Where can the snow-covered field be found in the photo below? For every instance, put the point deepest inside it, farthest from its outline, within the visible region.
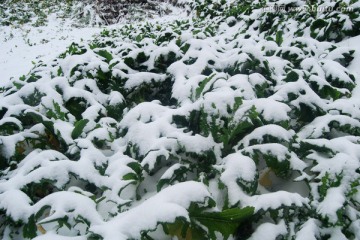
(21, 46)
(228, 123)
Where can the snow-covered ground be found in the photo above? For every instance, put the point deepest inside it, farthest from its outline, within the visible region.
(20, 47)
(23, 46)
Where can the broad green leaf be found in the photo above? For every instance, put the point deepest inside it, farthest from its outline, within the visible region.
(38, 118)
(79, 127)
(279, 38)
(29, 230)
(130, 176)
(225, 222)
(291, 77)
(202, 85)
(136, 167)
(105, 54)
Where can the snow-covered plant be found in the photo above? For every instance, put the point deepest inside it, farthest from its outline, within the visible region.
(34, 12)
(82, 13)
(239, 124)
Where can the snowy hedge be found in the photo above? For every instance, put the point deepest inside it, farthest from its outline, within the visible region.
(82, 13)
(238, 124)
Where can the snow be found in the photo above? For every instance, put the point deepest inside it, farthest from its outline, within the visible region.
(9, 142)
(13, 120)
(334, 166)
(309, 230)
(320, 125)
(68, 203)
(238, 166)
(136, 79)
(17, 204)
(273, 130)
(269, 231)
(335, 70)
(116, 98)
(275, 149)
(271, 110)
(27, 44)
(166, 206)
(351, 43)
(355, 225)
(54, 236)
(276, 199)
(170, 171)
(333, 201)
(229, 119)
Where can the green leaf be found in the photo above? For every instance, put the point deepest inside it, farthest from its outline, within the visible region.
(130, 176)
(38, 118)
(61, 222)
(291, 77)
(8, 128)
(225, 222)
(30, 229)
(56, 112)
(279, 38)
(202, 85)
(316, 25)
(281, 168)
(105, 54)
(79, 127)
(74, 49)
(307, 147)
(54, 137)
(136, 167)
(60, 72)
(237, 104)
(178, 175)
(34, 98)
(76, 106)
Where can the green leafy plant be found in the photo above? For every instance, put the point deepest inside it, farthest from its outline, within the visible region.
(229, 125)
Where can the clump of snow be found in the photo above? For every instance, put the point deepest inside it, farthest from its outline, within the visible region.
(269, 231)
(171, 203)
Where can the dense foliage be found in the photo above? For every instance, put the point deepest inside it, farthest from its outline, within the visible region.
(240, 123)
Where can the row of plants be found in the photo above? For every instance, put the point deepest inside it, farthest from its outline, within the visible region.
(237, 126)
